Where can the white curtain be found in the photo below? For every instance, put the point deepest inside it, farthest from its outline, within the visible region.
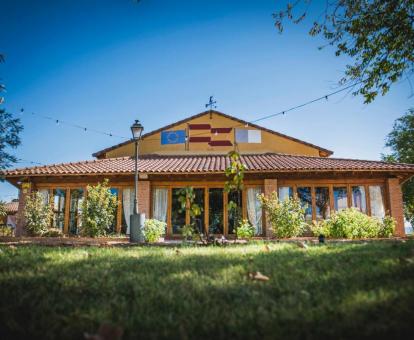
(284, 193)
(128, 205)
(160, 204)
(45, 195)
(254, 210)
(377, 202)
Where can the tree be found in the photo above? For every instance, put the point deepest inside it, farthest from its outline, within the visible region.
(9, 132)
(98, 210)
(38, 215)
(401, 142)
(378, 35)
(2, 210)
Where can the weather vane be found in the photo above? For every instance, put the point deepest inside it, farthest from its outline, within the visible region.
(212, 103)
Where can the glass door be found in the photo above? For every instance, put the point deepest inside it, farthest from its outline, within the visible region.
(215, 210)
(199, 200)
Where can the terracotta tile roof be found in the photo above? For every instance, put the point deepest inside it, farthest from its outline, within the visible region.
(268, 162)
(240, 121)
(11, 207)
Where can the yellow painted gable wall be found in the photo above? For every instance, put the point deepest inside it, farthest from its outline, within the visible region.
(270, 142)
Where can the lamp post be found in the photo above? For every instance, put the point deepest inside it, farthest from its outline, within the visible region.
(136, 220)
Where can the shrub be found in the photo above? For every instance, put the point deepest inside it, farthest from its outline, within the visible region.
(245, 230)
(351, 223)
(37, 214)
(287, 217)
(153, 230)
(188, 231)
(53, 232)
(387, 227)
(98, 210)
(6, 230)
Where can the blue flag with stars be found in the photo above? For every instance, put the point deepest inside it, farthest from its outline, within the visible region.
(173, 137)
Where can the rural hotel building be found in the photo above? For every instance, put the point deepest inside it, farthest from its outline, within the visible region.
(193, 152)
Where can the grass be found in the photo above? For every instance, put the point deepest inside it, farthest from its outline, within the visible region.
(341, 291)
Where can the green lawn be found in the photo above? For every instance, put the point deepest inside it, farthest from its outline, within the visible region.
(347, 290)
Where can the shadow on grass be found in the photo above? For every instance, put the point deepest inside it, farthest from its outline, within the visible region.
(343, 291)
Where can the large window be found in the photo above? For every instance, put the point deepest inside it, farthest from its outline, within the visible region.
(45, 195)
(177, 213)
(234, 210)
(215, 210)
(76, 198)
(285, 192)
(305, 196)
(160, 204)
(254, 209)
(59, 196)
(340, 198)
(322, 203)
(358, 198)
(377, 201)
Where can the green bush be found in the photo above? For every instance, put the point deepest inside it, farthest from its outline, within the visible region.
(153, 230)
(98, 210)
(352, 224)
(387, 227)
(287, 217)
(53, 232)
(187, 231)
(6, 230)
(37, 214)
(245, 230)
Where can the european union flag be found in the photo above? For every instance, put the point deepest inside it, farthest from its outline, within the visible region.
(173, 137)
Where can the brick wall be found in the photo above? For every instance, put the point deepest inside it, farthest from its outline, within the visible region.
(25, 190)
(270, 185)
(396, 204)
(144, 194)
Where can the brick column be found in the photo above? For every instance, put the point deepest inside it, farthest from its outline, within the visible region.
(396, 204)
(144, 195)
(24, 192)
(270, 185)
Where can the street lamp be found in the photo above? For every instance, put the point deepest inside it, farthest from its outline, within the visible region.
(136, 219)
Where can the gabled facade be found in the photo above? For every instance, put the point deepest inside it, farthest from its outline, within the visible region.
(193, 152)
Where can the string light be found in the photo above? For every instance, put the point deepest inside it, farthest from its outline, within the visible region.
(84, 128)
(186, 138)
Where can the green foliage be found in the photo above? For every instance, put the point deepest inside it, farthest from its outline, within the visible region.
(353, 224)
(234, 173)
(287, 217)
(53, 232)
(98, 210)
(153, 230)
(245, 230)
(401, 141)
(37, 214)
(6, 230)
(377, 35)
(10, 129)
(186, 198)
(188, 231)
(2, 209)
(387, 227)
(234, 184)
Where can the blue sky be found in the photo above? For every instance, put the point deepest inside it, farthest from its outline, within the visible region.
(103, 64)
